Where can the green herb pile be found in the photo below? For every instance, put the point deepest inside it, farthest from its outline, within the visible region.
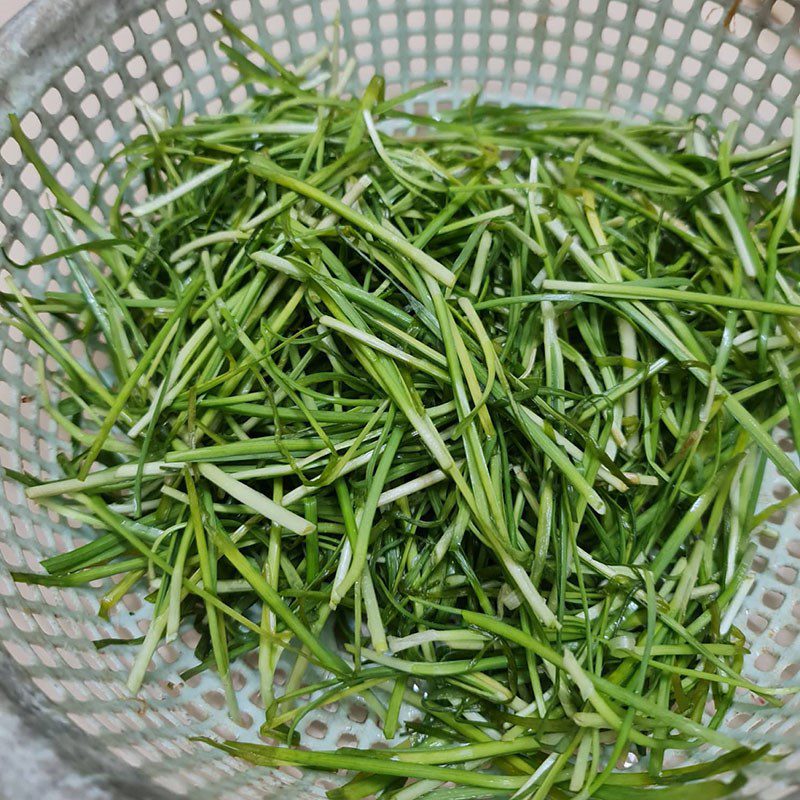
(489, 398)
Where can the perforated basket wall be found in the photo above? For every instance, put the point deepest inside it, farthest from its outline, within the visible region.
(70, 70)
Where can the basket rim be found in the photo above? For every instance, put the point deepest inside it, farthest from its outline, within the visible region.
(44, 740)
(52, 34)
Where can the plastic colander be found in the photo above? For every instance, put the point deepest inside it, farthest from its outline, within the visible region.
(70, 69)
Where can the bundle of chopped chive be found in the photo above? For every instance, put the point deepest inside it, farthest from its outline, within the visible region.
(489, 398)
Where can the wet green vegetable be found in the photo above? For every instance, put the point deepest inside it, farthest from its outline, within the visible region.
(490, 397)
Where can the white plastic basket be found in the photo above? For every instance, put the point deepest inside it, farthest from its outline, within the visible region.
(70, 69)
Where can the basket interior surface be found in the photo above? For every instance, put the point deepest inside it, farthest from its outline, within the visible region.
(71, 74)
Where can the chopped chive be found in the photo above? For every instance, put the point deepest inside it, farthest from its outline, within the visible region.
(465, 413)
